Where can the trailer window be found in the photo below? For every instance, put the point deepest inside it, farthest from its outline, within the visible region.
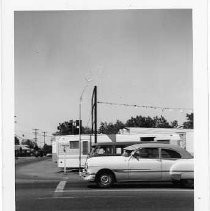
(147, 138)
(163, 141)
(118, 150)
(74, 144)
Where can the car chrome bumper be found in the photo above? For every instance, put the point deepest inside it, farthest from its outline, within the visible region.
(88, 177)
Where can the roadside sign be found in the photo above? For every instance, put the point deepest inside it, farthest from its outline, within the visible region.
(64, 146)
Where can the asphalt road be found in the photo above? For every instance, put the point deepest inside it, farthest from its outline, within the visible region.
(71, 193)
(28, 160)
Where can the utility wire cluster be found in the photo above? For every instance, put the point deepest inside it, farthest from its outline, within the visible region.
(26, 132)
(147, 107)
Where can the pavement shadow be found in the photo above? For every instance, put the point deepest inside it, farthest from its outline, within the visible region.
(142, 185)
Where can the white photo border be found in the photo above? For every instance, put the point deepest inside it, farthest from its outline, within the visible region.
(200, 88)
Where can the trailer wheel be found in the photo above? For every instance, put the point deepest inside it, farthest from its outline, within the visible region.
(105, 179)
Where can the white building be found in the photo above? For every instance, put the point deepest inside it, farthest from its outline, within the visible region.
(185, 135)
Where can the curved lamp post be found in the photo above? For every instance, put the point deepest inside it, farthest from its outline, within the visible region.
(80, 116)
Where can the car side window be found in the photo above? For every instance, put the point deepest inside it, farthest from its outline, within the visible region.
(100, 151)
(118, 150)
(151, 153)
(168, 153)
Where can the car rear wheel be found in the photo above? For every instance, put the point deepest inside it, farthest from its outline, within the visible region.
(105, 180)
(176, 183)
(187, 183)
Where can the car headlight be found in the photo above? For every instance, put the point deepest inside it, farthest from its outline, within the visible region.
(86, 165)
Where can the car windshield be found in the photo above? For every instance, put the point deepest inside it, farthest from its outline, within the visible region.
(127, 153)
(100, 151)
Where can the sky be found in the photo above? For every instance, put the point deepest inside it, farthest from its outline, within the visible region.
(141, 57)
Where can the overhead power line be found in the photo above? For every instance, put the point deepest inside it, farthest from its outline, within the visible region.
(144, 106)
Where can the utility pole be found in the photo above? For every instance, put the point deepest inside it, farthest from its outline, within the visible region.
(94, 113)
(35, 134)
(44, 135)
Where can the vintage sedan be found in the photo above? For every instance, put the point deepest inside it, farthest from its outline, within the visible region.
(142, 162)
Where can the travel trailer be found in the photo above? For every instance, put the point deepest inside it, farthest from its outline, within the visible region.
(66, 148)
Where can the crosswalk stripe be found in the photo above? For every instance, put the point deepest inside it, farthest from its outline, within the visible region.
(60, 186)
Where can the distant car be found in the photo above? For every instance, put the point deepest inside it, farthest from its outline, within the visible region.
(142, 162)
(22, 150)
(38, 153)
(49, 155)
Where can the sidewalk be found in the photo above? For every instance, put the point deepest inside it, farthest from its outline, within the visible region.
(42, 171)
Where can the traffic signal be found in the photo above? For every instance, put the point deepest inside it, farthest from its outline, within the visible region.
(78, 125)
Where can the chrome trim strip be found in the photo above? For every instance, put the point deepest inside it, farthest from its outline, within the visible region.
(146, 170)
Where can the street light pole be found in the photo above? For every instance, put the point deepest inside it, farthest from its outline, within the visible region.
(80, 105)
(80, 117)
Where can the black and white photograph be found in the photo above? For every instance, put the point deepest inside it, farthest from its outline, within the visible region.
(104, 110)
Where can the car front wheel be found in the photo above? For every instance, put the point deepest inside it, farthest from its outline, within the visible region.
(105, 180)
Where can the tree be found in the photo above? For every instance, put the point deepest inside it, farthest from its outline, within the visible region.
(110, 128)
(47, 148)
(66, 128)
(86, 130)
(174, 124)
(70, 128)
(161, 122)
(103, 127)
(119, 125)
(148, 122)
(31, 144)
(189, 124)
(138, 121)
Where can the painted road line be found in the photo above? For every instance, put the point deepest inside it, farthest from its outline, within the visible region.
(60, 186)
(54, 197)
(74, 197)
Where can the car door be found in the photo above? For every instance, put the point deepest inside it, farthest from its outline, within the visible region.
(168, 158)
(145, 165)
